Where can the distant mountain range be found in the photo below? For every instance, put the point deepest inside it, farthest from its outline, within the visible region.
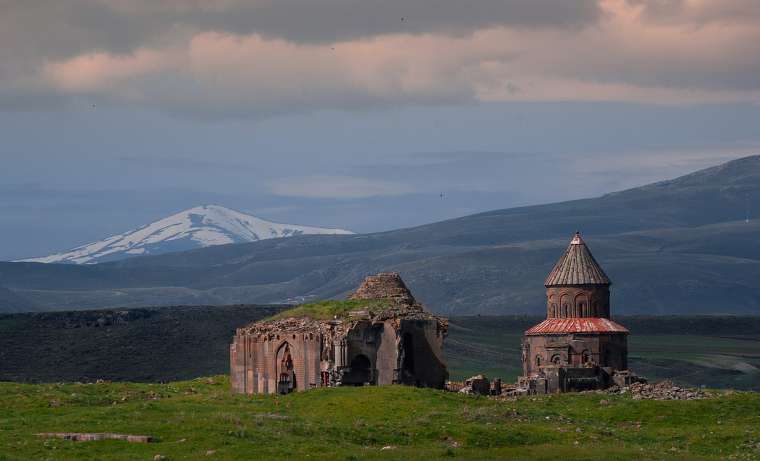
(198, 227)
(680, 246)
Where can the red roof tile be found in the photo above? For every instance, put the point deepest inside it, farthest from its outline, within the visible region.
(576, 325)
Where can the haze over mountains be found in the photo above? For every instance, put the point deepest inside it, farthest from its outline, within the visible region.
(678, 246)
(198, 227)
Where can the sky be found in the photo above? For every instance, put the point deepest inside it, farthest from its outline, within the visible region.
(363, 114)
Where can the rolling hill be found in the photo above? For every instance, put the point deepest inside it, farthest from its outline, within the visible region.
(678, 246)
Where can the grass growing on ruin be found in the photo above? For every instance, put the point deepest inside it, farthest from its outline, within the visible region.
(201, 419)
(325, 310)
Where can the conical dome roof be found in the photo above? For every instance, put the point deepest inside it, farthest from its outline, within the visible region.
(577, 267)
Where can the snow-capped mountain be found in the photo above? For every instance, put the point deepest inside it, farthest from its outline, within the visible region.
(197, 227)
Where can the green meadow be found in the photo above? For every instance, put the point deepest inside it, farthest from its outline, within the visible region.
(202, 419)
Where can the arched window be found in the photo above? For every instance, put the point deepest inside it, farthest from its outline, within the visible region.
(564, 303)
(552, 302)
(538, 360)
(286, 382)
(581, 301)
(556, 359)
(586, 357)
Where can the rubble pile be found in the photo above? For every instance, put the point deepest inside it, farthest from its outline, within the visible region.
(664, 390)
(384, 285)
(476, 385)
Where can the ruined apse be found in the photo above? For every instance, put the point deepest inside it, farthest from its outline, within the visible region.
(390, 340)
(578, 346)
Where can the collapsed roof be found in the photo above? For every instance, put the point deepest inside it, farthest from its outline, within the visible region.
(379, 297)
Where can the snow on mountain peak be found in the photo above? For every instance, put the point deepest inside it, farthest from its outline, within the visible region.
(197, 227)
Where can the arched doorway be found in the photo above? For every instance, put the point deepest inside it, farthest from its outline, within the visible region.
(359, 373)
(408, 366)
(286, 374)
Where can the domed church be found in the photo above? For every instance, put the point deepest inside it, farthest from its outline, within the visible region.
(578, 346)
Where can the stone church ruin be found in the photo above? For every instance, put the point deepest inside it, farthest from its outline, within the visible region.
(578, 347)
(381, 335)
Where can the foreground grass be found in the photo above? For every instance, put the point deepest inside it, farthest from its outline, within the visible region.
(201, 419)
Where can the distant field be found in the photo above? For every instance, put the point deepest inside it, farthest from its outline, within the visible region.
(202, 420)
(168, 344)
(710, 351)
(146, 345)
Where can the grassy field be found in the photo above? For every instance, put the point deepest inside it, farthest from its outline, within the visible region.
(201, 419)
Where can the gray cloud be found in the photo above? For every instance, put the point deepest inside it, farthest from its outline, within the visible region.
(235, 58)
(700, 12)
(35, 33)
(68, 27)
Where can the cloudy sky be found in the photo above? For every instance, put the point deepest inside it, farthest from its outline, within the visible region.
(357, 113)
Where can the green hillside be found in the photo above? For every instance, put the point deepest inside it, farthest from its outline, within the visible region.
(201, 419)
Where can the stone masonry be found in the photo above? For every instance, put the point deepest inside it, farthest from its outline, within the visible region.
(578, 347)
(398, 344)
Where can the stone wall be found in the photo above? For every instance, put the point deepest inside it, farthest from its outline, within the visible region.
(393, 351)
(577, 350)
(574, 361)
(425, 353)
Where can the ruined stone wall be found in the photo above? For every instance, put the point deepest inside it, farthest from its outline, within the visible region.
(362, 344)
(425, 353)
(407, 351)
(254, 361)
(394, 346)
(397, 343)
(388, 354)
(578, 301)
